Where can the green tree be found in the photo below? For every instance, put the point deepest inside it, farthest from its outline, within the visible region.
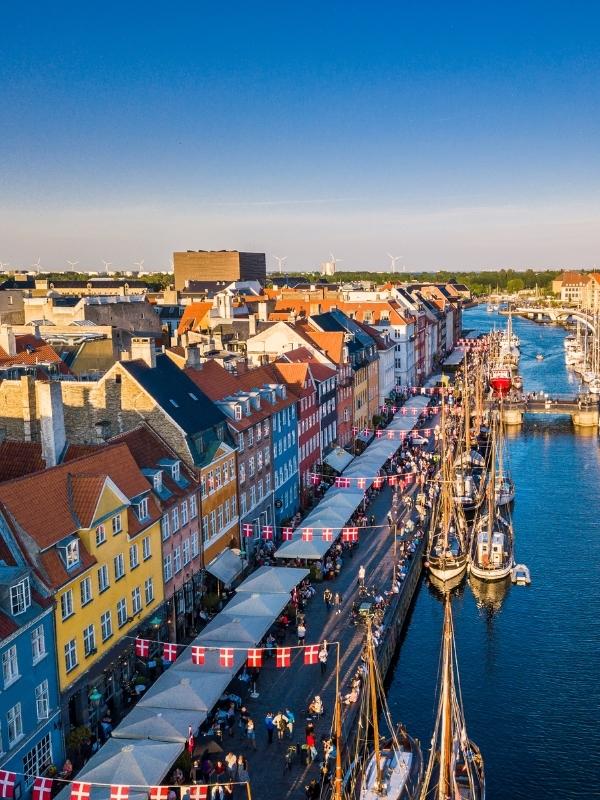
(515, 285)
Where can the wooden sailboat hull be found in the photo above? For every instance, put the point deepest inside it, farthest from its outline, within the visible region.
(402, 768)
(445, 569)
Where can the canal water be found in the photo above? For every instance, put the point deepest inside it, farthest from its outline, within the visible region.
(529, 657)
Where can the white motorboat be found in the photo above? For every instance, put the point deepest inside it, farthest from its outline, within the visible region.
(520, 575)
(539, 357)
(505, 490)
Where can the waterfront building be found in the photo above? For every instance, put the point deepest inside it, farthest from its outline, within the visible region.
(30, 734)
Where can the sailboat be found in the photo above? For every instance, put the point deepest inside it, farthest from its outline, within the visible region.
(455, 769)
(505, 486)
(393, 767)
(469, 465)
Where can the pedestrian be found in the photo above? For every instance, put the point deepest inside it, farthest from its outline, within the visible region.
(301, 633)
(291, 719)
(280, 722)
(251, 733)
(328, 597)
(242, 773)
(361, 576)
(323, 655)
(270, 726)
(311, 744)
(231, 719)
(231, 761)
(244, 717)
(337, 602)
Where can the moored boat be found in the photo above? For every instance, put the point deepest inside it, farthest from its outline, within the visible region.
(520, 575)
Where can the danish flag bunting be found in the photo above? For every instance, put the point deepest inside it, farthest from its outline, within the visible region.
(391, 480)
(361, 483)
(81, 791)
(159, 793)
(142, 648)
(169, 652)
(311, 654)
(283, 656)
(390, 434)
(354, 431)
(350, 535)
(403, 411)
(198, 792)
(118, 792)
(307, 534)
(226, 657)
(267, 532)
(190, 740)
(378, 483)
(42, 789)
(198, 655)
(379, 433)
(7, 783)
(287, 534)
(248, 530)
(394, 409)
(327, 534)
(254, 658)
(342, 483)
(315, 479)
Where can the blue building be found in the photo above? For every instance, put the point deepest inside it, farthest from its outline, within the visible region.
(30, 732)
(286, 476)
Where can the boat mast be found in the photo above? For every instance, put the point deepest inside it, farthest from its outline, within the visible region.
(375, 720)
(444, 784)
(492, 487)
(337, 786)
(467, 408)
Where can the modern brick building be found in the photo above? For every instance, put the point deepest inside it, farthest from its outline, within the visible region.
(218, 265)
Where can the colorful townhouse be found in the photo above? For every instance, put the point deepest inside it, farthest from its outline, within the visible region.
(31, 738)
(90, 530)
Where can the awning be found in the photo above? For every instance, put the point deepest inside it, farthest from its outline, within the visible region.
(186, 690)
(145, 722)
(338, 459)
(226, 566)
(257, 604)
(226, 628)
(274, 580)
(365, 437)
(456, 358)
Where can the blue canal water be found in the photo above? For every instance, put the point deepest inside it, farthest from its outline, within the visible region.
(529, 658)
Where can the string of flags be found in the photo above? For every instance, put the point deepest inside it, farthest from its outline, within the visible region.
(411, 412)
(266, 533)
(381, 433)
(254, 655)
(42, 788)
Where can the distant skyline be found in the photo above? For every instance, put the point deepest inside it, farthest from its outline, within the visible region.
(458, 136)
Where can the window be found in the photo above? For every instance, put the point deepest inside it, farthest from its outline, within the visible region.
(220, 518)
(267, 455)
(119, 563)
(149, 590)
(71, 655)
(243, 505)
(20, 597)
(165, 527)
(106, 625)
(142, 509)
(252, 496)
(260, 490)
(14, 720)
(237, 411)
(10, 666)
(146, 548)
(175, 471)
(218, 481)
(103, 582)
(266, 427)
(117, 524)
(66, 604)
(267, 483)
(85, 591)
(38, 644)
(157, 481)
(259, 460)
(184, 513)
(213, 523)
(136, 600)
(251, 467)
(167, 567)
(250, 437)
(186, 552)
(226, 473)
(72, 554)
(242, 473)
(241, 442)
(177, 560)
(195, 544)
(37, 760)
(193, 506)
(89, 640)
(122, 612)
(227, 513)
(258, 432)
(134, 556)
(233, 506)
(42, 700)
(175, 518)
(205, 533)
(100, 535)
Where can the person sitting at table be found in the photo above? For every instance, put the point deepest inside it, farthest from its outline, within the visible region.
(316, 706)
(352, 696)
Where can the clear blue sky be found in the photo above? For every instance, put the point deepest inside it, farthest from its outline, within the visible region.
(456, 134)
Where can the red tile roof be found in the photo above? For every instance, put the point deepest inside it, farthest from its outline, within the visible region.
(20, 458)
(41, 351)
(193, 316)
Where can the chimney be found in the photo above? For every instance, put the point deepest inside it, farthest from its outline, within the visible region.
(7, 340)
(315, 308)
(143, 348)
(251, 324)
(52, 421)
(263, 311)
(192, 357)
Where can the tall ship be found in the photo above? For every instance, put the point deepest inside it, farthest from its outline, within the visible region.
(455, 768)
(469, 464)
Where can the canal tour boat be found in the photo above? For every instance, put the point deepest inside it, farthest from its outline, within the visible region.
(455, 768)
(389, 767)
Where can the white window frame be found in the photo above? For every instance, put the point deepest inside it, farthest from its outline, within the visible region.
(20, 597)
(100, 535)
(165, 526)
(42, 700)
(14, 724)
(106, 626)
(86, 594)
(193, 506)
(89, 640)
(72, 554)
(122, 614)
(10, 666)
(184, 513)
(103, 584)
(66, 604)
(71, 655)
(148, 590)
(38, 644)
(119, 566)
(117, 524)
(134, 556)
(136, 600)
(146, 548)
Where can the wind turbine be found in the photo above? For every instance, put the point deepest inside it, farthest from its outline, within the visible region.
(107, 264)
(72, 264)
(280, 260)
(139, 264)
(37, 265)
(334, 260)
(394, 259)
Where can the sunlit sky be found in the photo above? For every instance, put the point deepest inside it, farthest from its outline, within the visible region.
(456, 135)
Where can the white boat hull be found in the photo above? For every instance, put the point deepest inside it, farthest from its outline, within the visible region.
(496, 574)
(446, 572)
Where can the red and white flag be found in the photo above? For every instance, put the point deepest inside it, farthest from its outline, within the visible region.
(248, 530)
(403, 411)
(159, 793)
(283, 656)
(311, 654)
(226, 657)
(142, 648)
(7, 783)
(378, 433)
(267, 532)
(315, 479)
(350, 535)
(327, 534)
(190, 740)
(391, 434)
(254, 657)
(42, 789)
(378, 483)
(394, 409)
(80, 791)
(118, 792)
(198, 655)
(342, 483)
(287, 534)
(361, 483)
(198, 792)
(354, 431)
(307, 534)
(391, 480)
(169, 652)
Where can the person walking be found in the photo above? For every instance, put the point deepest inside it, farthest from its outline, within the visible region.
(328, 597)
(270, 726)
(361, 576)
(323, 655)
(280, 721)
(291, 719)
(301, 630)
(337, 602)
(251, 733)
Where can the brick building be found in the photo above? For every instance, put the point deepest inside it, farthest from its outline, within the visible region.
(218, 265)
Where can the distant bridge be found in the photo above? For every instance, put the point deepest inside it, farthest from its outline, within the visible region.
(551, 314)
(584, 412)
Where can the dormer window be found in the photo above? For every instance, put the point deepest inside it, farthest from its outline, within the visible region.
(256, 402)
(20, 597)
(237, 411)
(142, 509)
(72, 554)
(157, 481)
(175, 471)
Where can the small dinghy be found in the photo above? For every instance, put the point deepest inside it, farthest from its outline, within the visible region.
(520, 575)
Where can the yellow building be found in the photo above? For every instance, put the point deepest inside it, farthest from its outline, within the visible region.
(91, 529)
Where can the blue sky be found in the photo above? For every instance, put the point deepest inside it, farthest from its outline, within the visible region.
(455, 134)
